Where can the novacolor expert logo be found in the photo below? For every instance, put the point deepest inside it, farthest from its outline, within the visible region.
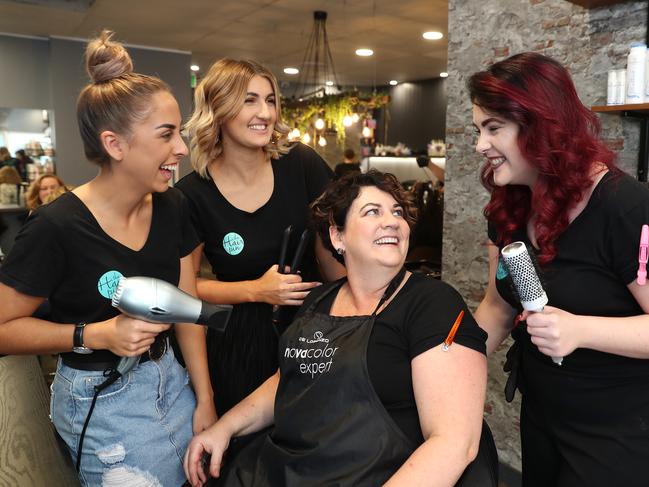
(314, 355)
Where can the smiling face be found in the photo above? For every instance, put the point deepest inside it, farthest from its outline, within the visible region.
(375, 233)
(155, 147)
(498, 143)
(253, 126)
(47, 186)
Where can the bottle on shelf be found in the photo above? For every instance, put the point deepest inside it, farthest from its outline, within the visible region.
(635, 73)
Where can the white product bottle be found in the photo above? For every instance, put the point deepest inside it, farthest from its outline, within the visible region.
(611, 87)
(635, 69)
(621, 87)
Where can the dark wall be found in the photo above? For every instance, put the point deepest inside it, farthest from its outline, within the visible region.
(24, 77)
(416, 114)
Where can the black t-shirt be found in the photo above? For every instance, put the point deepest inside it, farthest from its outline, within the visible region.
(62, 253)
(597, 257)
(418, 318)
(240, 245)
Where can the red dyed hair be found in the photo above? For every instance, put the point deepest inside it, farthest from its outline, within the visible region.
(557, 134)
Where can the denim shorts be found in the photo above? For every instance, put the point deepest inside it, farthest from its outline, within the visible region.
(139, 429)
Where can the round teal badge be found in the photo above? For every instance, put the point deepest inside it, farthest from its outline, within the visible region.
(108, 282)
(501, 272)
(233, 243)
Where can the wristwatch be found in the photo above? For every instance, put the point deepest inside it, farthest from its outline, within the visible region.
(77, 340)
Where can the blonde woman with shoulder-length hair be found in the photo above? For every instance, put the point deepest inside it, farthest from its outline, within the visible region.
(247, 188)
(218, 99)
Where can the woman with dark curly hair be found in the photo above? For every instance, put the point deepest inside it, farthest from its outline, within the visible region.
(555, 186)
(367, 394)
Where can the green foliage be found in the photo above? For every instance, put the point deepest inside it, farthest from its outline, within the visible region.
(332, 109)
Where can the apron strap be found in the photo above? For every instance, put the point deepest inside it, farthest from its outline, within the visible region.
(390, 290)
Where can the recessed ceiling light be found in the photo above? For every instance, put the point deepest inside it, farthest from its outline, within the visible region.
(195, 67)
(364, 52)
(291, 70)
(394, 82)
(329, 83)
(443, 74)
(432, 35)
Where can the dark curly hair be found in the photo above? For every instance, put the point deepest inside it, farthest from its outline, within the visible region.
(557, 135)
(332, 206)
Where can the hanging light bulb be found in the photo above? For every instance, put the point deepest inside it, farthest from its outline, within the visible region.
(367, 133)
(347, 120)
(322, 141)
(294, 134)
(355, 117)
(306, 138)
(319, 124)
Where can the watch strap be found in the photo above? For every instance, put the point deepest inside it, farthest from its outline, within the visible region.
(77, 339)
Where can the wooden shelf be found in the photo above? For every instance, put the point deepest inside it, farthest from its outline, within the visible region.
(634, 107)
(596, 3)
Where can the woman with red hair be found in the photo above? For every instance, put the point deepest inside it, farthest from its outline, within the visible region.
(555, 186)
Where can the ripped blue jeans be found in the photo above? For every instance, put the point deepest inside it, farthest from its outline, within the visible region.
(140, 426)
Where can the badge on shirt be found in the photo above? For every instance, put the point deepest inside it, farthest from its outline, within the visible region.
(233, 243)
(107, 283)
(501, 272)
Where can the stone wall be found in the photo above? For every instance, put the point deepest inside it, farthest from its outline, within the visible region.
(589, 43)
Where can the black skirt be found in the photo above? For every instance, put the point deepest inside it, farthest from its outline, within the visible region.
(243, 357)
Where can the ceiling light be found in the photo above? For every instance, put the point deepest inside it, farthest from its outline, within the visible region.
(355, 117)
(366, 132)
(364, 52)
(195, 67)
(291, 70)
(322, 141)
(329, 83)
(319, 124)
(394, 82)
(347, 121)
(443, 74)
(432, 35)
(306, 138)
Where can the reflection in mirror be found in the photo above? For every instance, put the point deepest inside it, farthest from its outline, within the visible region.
(26, 151)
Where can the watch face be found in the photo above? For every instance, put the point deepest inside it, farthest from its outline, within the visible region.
(82, 350)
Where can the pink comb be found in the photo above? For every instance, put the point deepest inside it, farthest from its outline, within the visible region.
(643, 255)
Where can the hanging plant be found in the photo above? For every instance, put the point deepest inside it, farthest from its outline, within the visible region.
(332, 109)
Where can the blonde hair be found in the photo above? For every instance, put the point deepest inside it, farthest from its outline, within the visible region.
(33, 199)
(219, 98)
(4, 154)
(116, 97)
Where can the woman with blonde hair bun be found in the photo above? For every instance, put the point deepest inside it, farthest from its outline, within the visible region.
(248, 187)
(130, 427)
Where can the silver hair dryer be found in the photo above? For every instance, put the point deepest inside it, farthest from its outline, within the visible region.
(157, 301)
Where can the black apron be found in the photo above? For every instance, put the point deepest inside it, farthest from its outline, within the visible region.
(330, 426)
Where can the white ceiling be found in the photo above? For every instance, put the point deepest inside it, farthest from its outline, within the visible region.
(274, 32)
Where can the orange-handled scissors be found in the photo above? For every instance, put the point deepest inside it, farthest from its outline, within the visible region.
(451, 334)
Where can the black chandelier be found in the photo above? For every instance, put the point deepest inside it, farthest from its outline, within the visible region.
(317, 72)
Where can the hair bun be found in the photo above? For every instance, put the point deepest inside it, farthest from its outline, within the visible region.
(106, 59)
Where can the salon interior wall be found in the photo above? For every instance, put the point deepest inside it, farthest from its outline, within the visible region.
(50, 73)
(589, 43)
(416, 114)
